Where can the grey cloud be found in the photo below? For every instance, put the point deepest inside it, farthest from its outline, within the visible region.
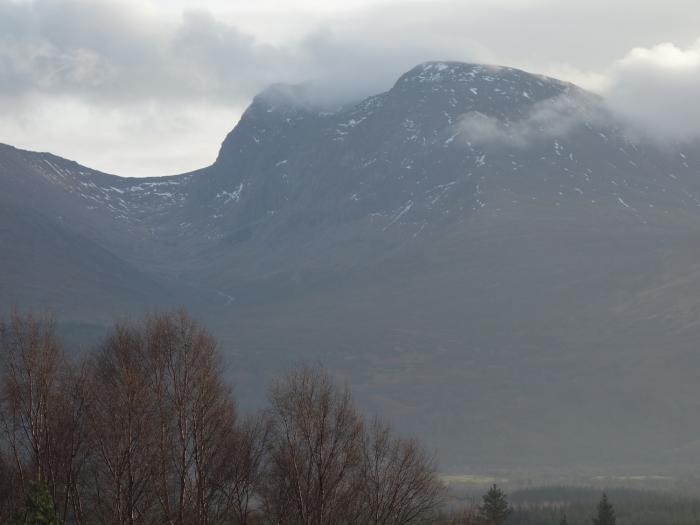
(65, 46)
(216, 59)
(109, 52)
(112, 51)
(363, 57)
(112, 57)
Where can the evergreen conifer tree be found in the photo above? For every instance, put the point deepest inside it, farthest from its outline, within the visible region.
(606, 512)
(39, 508)
(564, 521)
(495, 509)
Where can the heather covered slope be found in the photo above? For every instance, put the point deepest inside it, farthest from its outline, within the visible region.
(484, 253)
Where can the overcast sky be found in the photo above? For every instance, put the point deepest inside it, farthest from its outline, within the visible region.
(152, 87)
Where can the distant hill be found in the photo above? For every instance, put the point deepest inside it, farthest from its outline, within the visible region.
(483, 253)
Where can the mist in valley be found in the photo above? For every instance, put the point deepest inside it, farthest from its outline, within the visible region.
(380, 262)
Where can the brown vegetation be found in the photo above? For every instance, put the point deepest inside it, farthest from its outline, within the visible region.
(144, 430)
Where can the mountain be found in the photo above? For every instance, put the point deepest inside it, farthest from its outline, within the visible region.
(485, 254)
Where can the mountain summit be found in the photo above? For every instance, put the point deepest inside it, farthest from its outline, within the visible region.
(482, 251)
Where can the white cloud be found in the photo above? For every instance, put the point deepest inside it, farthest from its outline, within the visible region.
(655, 91)
(547, 119)
(148, 139)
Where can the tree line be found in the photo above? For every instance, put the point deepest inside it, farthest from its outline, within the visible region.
(495, 510)
(145, 430)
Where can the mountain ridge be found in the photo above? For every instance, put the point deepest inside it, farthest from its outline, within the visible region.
(458, 247)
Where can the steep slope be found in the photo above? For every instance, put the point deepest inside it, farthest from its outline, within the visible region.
(71, 243)
(482, 252)
(449, 143)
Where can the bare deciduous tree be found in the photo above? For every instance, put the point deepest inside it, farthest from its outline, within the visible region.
(246, 466)
(123, 428)
(195, 416)
(398, 484)
(316, 446)
(31, 362)
(144, 431)
(70, 432)
(42, 409)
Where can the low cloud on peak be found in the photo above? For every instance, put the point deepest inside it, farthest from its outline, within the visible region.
(79, 74)
(546, 119)
(655, 89)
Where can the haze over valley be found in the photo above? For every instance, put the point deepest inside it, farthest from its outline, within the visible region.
(460, 246)
(501, 262)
